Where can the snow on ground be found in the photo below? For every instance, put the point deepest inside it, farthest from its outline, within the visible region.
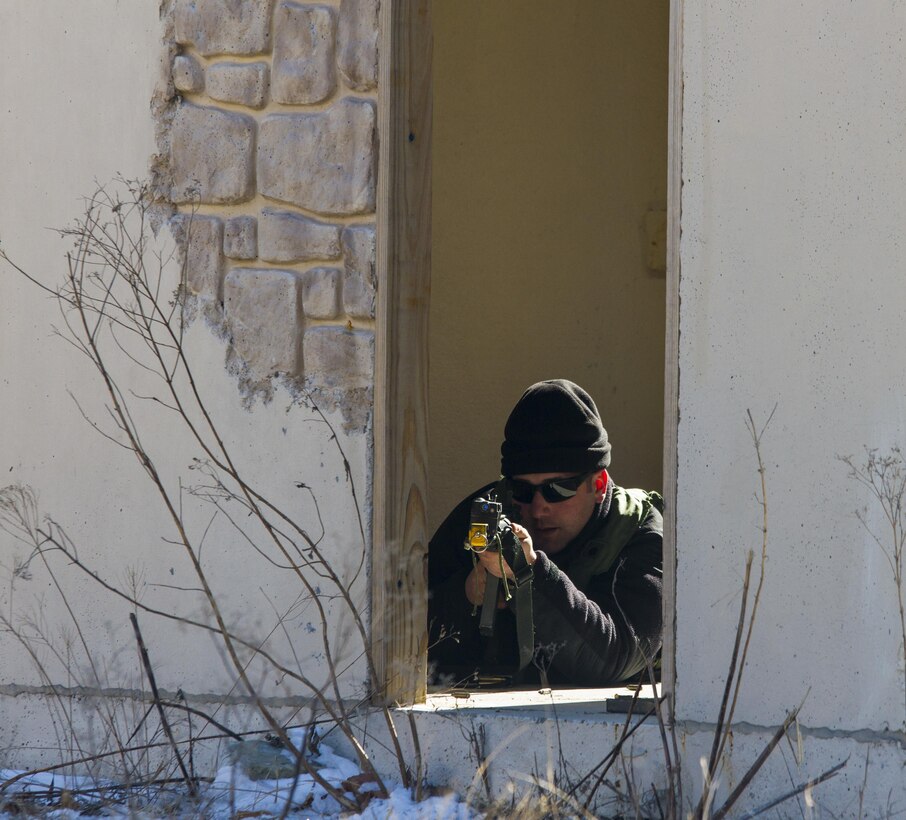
(234, 794)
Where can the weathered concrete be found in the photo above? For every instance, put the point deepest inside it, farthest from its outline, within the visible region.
(201, 238)
(263, 308)
(304, 64)
(358, 43)
(321, 293)
(774, 96)
(791, 299)
(338, 174)
(336, 357)
(69, 124)
(240, 237)
(284, 236)
(224, 26)
(240, 83)
(211, 155)
(358, 271)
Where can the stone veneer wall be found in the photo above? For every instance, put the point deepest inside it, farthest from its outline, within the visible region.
(270, 155)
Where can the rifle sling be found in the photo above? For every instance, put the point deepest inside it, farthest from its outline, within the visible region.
(522, 604)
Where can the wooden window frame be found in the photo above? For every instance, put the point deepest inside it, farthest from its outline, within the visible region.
(403, 266)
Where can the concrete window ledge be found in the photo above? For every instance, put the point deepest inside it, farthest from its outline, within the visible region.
(604, 704)
(515, 737)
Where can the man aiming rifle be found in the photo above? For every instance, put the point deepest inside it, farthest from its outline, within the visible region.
(585, 559)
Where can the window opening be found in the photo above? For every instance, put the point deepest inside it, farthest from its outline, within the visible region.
(549, 221)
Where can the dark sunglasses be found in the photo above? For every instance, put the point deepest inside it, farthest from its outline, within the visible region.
(552, 491)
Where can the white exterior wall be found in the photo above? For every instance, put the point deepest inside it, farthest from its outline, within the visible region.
(76, 81)
(792, 261)
(792, 213)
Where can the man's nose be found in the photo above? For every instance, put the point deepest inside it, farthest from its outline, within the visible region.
(538, 502)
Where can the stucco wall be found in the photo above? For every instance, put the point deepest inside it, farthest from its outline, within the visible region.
(77, 83)
(791, 294)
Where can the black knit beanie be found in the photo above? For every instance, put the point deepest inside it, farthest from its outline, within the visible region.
(554, 428)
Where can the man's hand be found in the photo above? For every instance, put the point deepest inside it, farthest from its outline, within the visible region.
(489, 561)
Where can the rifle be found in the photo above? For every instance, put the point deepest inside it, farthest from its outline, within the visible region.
(489, 529)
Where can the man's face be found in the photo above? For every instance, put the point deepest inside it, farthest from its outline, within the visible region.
(553, 526)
